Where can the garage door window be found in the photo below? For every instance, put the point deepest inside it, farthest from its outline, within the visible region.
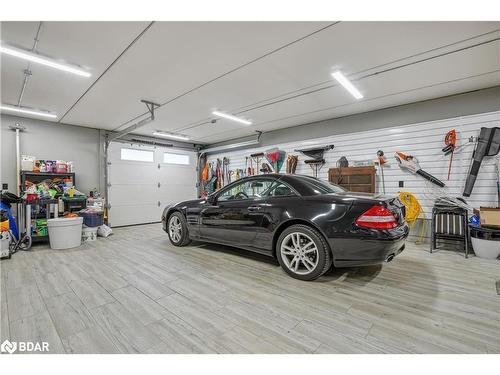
(137, 155)
(175, 158)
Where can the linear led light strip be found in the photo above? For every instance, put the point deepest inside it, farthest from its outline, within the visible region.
(231, 117)
(347, 84)
(27, 111)
(47, 61)
(173, 136)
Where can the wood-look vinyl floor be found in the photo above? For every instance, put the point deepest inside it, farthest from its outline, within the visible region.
(136, 293)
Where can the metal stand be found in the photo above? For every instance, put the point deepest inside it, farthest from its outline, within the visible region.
(317, 154)
(315, 165)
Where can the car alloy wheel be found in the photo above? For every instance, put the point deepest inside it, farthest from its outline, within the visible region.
(175, 229)
(299, 253)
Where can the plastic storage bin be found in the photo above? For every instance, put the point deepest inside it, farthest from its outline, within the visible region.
(89, 234)
(65, 233)
(74, 204)
(27, 163)
(92, 219)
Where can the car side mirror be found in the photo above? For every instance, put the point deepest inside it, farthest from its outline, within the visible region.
(211, 199)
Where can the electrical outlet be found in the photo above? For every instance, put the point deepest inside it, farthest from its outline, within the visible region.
(5, 186)
(401, 184)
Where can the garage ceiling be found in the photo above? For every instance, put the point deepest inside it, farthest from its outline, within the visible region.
(275, 73)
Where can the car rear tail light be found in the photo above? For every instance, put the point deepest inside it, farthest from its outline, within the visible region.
(377, 217)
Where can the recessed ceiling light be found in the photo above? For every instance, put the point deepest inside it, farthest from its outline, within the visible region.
(347, 84)
(47, 61)
(231, 117)
(173, 136)
(27, 111)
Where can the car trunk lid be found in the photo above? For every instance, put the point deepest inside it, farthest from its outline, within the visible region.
(392, 203)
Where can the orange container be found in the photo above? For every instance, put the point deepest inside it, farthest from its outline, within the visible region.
(4, 226)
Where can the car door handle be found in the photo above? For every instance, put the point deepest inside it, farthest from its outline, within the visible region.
(254, 208)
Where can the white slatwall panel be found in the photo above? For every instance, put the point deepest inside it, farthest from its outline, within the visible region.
(423, 140)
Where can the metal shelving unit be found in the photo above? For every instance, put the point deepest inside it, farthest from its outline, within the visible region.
(41, 202)
(40, 176)
(37, 177)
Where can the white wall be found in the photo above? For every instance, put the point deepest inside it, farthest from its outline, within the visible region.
(52, 141)
(423, 140)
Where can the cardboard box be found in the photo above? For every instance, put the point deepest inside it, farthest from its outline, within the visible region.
(490, 217)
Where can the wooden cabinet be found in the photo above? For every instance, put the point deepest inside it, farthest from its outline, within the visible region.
(360, 179)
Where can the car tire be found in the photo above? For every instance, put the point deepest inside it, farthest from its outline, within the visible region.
(177, 230)
(303, 252)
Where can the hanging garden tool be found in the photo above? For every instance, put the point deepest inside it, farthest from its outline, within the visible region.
(266, 168)
(204, 175)
(226, 179)
(450, 141)
(341, 163)
(291, 163)
(211, 185)
(316, 152)
(257, 157)
(276, 158)
(497, 169)
(410, 163)
(218, 174)
(488, 144)
(317, 155)
(249, 169)
(381, 162)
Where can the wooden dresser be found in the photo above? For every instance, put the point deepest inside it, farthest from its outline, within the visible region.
(360, 179)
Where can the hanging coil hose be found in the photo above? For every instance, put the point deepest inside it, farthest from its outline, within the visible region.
(413, 210)
(341, 163)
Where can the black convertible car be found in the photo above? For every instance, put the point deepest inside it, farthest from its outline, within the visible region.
(304, 222)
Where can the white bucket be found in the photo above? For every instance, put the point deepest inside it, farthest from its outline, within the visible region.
(65, 233)
(488, 249)
(89, 234)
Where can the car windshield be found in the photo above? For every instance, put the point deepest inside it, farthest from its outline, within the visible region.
(323, 187)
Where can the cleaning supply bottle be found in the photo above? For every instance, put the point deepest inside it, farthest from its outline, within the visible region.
(60, 205)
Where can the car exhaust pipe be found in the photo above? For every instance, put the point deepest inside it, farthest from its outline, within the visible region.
(390, 258)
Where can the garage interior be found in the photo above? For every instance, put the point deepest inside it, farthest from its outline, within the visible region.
(112, 122)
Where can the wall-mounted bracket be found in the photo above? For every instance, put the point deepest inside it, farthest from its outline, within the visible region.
(151, 107)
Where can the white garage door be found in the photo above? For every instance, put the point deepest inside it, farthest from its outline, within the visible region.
(145, 179)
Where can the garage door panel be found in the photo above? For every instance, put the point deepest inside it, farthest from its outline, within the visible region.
(135, 214)
(134, 173)
(134, 193)
(176, 193)
(177, 176)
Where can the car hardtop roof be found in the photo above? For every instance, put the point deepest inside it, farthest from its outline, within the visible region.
(289, 178)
